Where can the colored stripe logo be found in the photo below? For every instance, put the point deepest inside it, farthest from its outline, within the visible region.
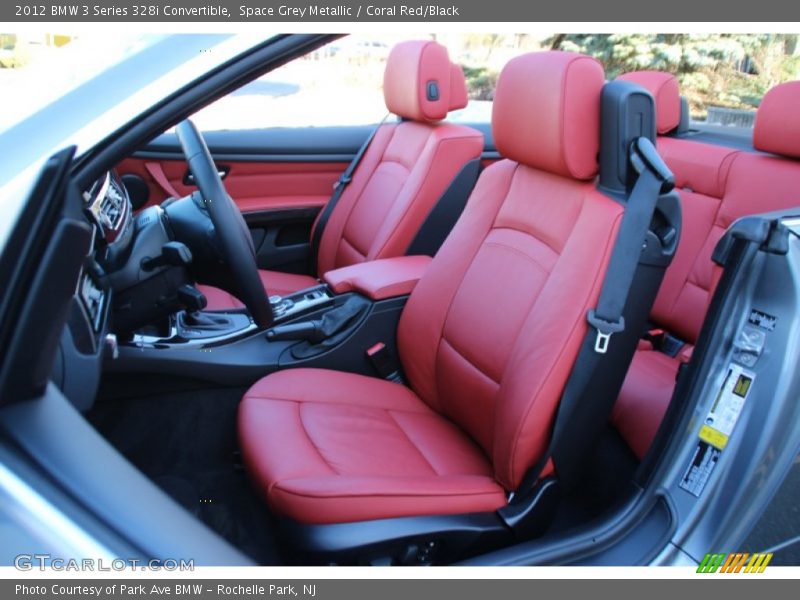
(736, 562)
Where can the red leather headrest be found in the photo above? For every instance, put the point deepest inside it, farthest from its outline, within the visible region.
(420, 83)
(777, 127)
(546, 112)
(665, 91)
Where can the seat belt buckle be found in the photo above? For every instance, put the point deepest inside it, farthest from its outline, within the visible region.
(387, 368)
(605, 329)
(656, 337)
(671, 345)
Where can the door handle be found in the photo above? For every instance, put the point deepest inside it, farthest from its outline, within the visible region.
(188, 178)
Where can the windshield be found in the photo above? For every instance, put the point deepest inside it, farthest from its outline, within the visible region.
(35, 70)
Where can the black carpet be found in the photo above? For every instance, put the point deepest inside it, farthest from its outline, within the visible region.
(182, 435)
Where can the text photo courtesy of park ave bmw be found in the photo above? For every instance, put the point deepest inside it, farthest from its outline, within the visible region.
(160, 590)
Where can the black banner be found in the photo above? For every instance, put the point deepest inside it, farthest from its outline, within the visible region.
(389, 589)
(433, 11)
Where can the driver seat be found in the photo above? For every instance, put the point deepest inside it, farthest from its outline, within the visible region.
(487, 339)
(406, 169)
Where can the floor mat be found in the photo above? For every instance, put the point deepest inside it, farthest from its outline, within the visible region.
(185, 441)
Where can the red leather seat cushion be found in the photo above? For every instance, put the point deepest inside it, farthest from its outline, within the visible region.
(777, 126)
(330, 447)
(644, 398)
(402, 176)
(275, 283)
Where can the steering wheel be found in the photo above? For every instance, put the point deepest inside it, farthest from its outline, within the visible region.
(233, 236)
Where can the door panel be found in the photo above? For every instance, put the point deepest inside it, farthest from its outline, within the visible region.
(280, 201)
(267, 169)
(281, 238)
(254, 186)
(280, 178)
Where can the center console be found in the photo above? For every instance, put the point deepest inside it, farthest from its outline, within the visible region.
(331, 325)
(212, 328)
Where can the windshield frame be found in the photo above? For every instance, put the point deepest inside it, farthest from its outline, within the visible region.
(106, 103)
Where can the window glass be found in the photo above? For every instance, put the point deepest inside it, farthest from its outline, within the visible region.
(64, 62)
(338, 84)
(342, 83)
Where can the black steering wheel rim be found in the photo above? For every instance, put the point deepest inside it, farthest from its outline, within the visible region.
(233, 236)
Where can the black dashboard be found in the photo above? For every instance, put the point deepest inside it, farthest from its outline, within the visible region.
(127, 281)
(86, 338)
(109, 208)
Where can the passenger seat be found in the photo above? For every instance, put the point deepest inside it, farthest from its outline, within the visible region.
(487, 339)
(717, 185)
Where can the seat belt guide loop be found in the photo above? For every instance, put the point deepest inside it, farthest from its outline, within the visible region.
(342, 181)
(644, 156)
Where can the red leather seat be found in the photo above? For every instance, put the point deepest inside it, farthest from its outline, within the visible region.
(487, 339)
(717, 185)
(404, 172)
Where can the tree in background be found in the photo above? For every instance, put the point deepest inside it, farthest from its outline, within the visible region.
(482, 55)
(730, 70)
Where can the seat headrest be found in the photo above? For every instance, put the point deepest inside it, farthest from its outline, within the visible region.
(546, 112)
(420, 83)
(777, 126)
(666, 92)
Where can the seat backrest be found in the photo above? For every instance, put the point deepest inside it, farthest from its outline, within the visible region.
(408, 165)
(491, 332)
(718, 185)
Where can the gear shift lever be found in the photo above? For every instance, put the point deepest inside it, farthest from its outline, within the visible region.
(195, 301)
(191, 298)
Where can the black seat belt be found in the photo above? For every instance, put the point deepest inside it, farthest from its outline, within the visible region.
(338, 188)
(578, 419)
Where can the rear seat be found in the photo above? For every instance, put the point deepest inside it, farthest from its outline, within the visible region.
(717, 185)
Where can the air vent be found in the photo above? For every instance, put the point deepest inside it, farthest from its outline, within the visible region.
(112, 207)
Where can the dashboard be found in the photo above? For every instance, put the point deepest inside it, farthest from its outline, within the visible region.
(109, 207)
(127, 281)
(86, 338)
